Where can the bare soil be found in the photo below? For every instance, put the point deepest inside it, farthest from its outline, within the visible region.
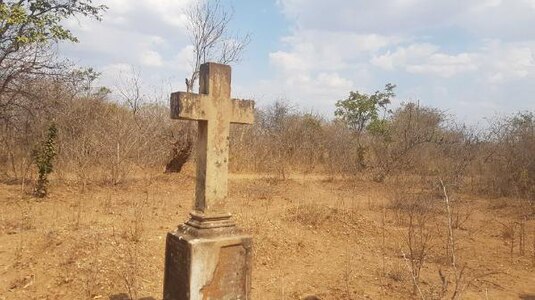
(336, 238)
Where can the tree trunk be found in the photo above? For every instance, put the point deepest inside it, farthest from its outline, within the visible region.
(180, 154)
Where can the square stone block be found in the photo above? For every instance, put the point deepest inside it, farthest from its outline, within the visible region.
(207, 266)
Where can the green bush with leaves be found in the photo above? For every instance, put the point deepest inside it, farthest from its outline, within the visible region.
(360, 110)
(43, 157)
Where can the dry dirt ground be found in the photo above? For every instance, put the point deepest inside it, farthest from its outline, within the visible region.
(335, 238)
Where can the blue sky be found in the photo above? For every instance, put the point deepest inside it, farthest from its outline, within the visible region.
(474, 59)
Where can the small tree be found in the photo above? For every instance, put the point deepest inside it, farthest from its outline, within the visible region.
(43, 157)
(27, 29)
(360, 110)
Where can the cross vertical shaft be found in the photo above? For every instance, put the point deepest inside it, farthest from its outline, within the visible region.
(213, 140)
(215, 111)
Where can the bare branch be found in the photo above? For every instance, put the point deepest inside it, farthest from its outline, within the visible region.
(208, 26)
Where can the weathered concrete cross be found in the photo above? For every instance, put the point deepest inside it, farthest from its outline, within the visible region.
(215, 111)
(208, 257)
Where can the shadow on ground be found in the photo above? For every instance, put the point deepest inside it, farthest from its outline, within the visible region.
(527, 296)
(124, 296)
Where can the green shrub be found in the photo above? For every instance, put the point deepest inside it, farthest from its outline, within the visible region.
(43, 157)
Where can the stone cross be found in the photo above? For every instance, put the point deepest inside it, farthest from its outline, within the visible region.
(215, 111)
(209, 257)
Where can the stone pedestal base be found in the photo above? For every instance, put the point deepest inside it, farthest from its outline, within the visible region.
(203, 264)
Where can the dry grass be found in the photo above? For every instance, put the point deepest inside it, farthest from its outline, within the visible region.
(321, 237)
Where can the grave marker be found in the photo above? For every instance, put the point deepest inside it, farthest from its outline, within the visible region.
(208, 257)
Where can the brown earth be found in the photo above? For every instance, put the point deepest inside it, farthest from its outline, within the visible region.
(337, 238)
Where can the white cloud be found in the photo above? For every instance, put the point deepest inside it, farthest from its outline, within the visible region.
(477, 51)
(148, 36)
(384, 17)
(426, 59)
(333, 81)
(171, 12)
(113, 72)
(151, 58)
(474, 51)
(120, 6)
(184, 58)
(496, 61)
(288, 61)
(506, 62)
(511, 20)
(488, 18)
(316, 92)
(445, 65)
(318, 67)
(323, 50)
(402, 55)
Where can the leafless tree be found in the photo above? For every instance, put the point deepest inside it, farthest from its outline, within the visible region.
(208, 26)
(128, 88)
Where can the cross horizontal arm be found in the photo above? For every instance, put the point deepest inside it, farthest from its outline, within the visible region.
(242, 111)
(189, 106)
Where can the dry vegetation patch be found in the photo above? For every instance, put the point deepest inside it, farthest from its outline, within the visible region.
(337, 239)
